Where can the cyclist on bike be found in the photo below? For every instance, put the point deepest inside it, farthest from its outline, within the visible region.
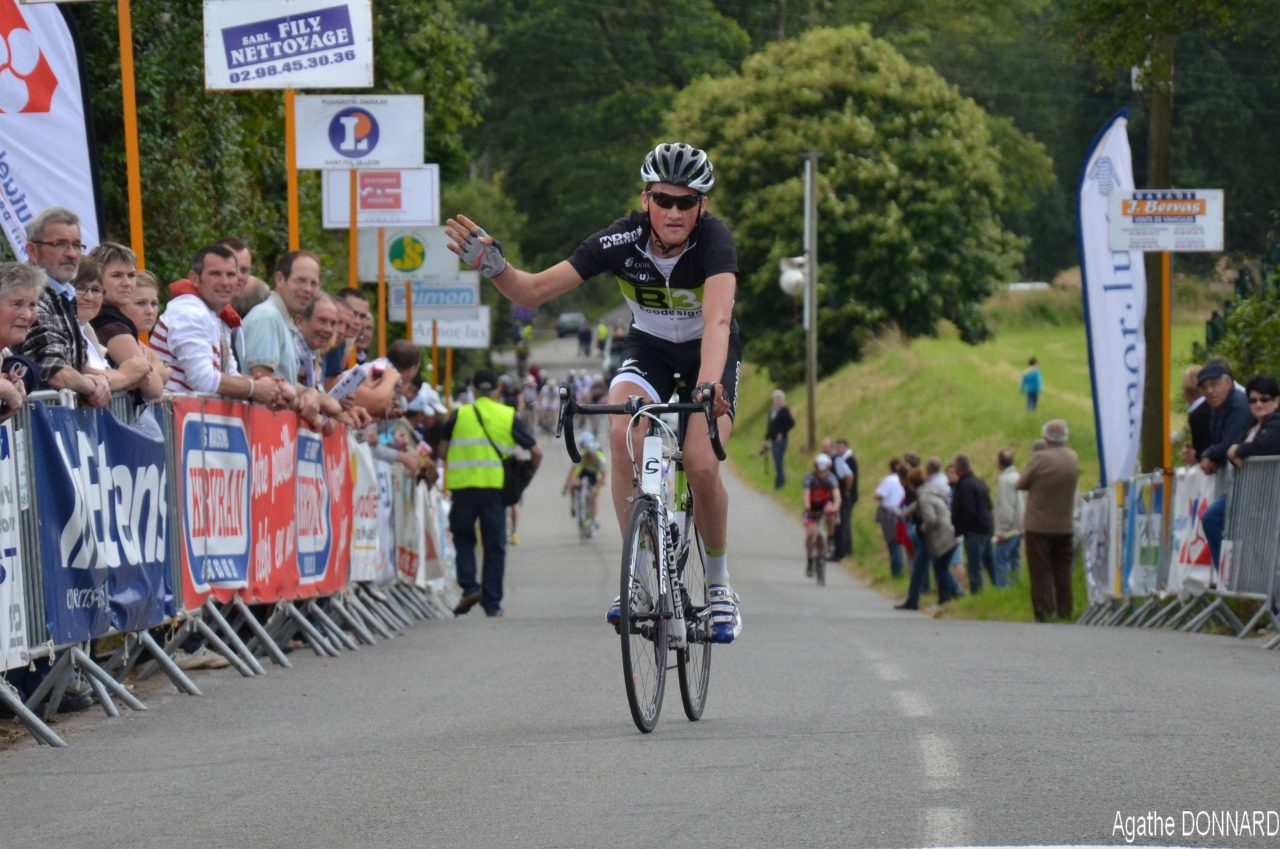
(678, 268)
(821, 496)
(591, 472)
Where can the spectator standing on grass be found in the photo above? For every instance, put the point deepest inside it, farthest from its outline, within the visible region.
(55, 342)
(889, 497)
(1049, 479)
(848, 498)
(1032, 384)
(971, 518)
(775, 435)
(1008, 518)
(932, 518)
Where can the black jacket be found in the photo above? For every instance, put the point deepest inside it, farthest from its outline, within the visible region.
(1228, 425)
(779, 423)
(971, 506)
(1266, 443)
(1198, 421)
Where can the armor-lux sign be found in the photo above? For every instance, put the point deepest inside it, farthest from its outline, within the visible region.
(273, 440)
(213, 494)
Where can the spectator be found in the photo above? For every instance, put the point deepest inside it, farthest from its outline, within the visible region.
(475, 477)
(379, 393)
(360, 335)
(1263, 438)
(1008, 518)
(889, 496)
(775, 435)
(933, 519)
(317, 326)
(584, 338)
(602, 336)
(55, 342)
(848, 498)
(1032, 384)
(971, 518)
(1049, 479)
(843, 475)
(113, 329)
(1229, 421)
(334, 360)
(143, 312)
(132, 373)
(193, 338)
(244, 273)
(19, 291)
(255, 292)
(272, 346)
(1198, 415)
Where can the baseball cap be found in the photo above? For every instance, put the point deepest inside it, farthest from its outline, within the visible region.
(1212, 370)
(485, 380)
(432, 400)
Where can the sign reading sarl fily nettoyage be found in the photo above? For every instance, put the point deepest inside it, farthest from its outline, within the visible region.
(288, 44)
(1175, 220)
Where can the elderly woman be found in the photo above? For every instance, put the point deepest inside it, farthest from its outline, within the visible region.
(20, 286)
(937, 538)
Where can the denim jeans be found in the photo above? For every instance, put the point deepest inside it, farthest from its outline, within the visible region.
(1008, 558)
(484, 506)
(1214, 523)
(977, 553)
(779, 449)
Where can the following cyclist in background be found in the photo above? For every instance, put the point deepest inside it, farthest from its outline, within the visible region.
(821, 496)
(592, 472)
(678, 269)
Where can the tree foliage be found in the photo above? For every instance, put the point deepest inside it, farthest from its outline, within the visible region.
(912, 181)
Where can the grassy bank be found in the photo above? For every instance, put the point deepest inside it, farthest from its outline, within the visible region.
(939, 397)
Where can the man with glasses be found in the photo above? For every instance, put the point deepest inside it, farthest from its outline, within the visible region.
(1228, 424)
(678, 268)
(55, 342)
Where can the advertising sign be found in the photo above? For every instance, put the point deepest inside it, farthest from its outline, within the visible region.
(213, 497)
(1180, 220)
(1095, 520)
(412, 253)
(364, 509)
(466, 333)
(256, 44)
(337, 467)
(386, 566)
(314, 512)
(406, 197)
(103, 530)
(1145, 527)
(44, 147)
(373, 131)
(438, 299)
(273, 442)
(13, 613)
(1190, 561)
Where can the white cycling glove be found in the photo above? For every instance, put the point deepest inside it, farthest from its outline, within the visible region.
(487, 259)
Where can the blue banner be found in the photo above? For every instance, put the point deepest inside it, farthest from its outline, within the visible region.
(103, 508)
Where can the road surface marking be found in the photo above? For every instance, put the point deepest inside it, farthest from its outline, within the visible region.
(946, 826)
(940, 764)
(912, 704)
(889, 671)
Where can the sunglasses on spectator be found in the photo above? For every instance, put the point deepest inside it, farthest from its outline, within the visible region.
(681, 202)
(1261, 399)
(61, 245)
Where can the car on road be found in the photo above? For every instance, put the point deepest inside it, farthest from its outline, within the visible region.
(568, 322)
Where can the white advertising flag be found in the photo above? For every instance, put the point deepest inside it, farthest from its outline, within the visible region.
(1115, 302)
(375, 131)
(281, 44)
(44, 149)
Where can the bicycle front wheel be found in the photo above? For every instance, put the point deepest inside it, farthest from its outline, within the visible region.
(583, 498)
(641, 625)
(694, 662)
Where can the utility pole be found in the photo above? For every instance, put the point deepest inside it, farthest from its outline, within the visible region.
(811, 291)
(1157, 81)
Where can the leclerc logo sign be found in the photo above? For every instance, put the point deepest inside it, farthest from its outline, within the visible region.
(27, 81)
(359, 132)
(354, 132)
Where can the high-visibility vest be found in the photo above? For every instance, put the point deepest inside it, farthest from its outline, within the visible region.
(472, 463)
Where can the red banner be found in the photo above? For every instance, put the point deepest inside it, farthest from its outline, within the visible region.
(339, 475)
(273, 441)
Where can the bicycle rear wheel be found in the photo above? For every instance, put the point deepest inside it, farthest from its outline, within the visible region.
(583, 500)
(643, 630)
(694, 662)
(820, 559)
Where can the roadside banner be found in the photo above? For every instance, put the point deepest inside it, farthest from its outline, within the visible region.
(256, 44)
(44, 143)
(407, 529)
(337, 466)
(1095, 520)
(1190, 561)
(1144, 529)
(103, 530)
(469, 330)
(213, 497)
(440, 299)
(368, 131)
(364, 510)
(1115, 302)
(273, 441)
(386, 562)
(404, 197)
(314, 512)
(13, 611)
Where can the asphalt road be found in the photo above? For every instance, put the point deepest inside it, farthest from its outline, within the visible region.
(835, 721)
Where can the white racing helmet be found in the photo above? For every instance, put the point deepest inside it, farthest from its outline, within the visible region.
(823, 462)
(680, 165)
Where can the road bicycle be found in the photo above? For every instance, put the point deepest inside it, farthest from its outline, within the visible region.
(662, 595)
(817, 553)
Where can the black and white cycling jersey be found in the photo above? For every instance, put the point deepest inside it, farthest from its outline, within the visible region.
(665, 296)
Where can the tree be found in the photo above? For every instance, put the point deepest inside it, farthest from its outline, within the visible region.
(912, 181)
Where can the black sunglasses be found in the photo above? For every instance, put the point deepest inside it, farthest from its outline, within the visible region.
(1261, 399)
(682, 202)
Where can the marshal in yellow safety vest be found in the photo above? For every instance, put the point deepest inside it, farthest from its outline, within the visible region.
(473, 462)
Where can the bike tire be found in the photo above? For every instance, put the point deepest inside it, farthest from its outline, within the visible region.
(820, 558)
(640, 623)
(583, 500)
(693, 663)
